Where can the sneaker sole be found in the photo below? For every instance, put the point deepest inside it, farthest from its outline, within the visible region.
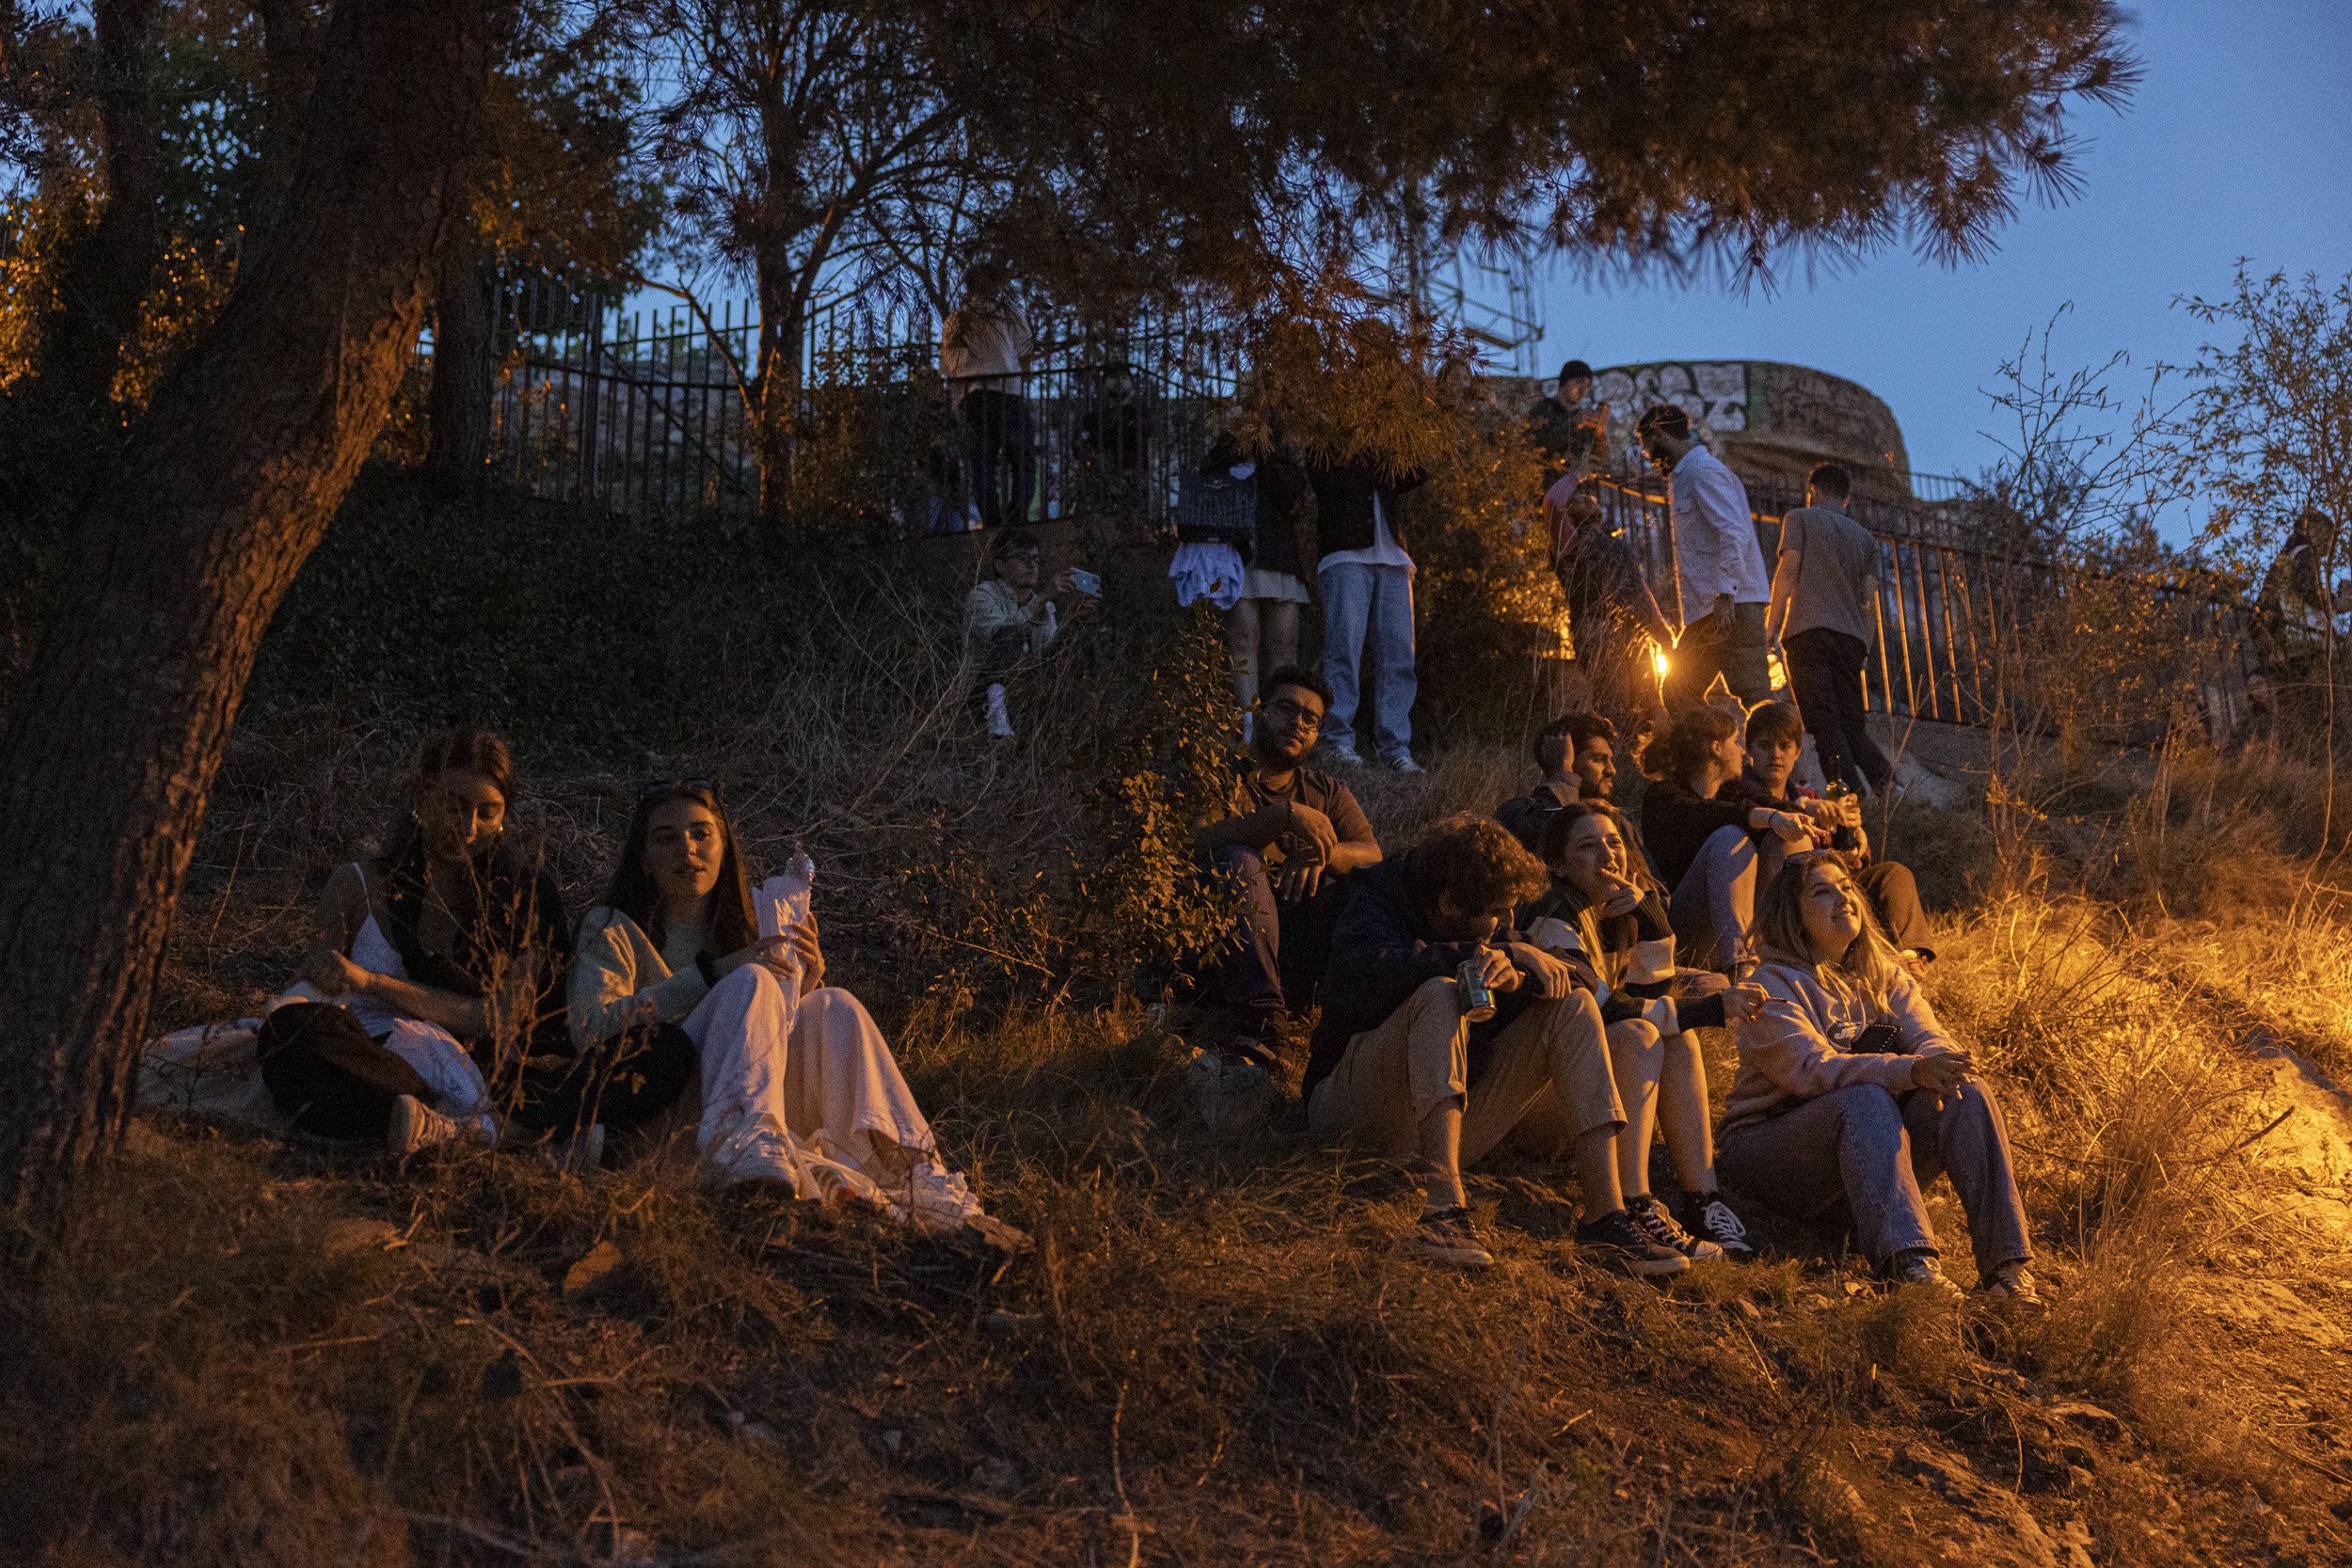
(1620, 1261)
(1456, 1257)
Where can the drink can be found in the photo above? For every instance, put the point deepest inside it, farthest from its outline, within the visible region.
(1478, 1002)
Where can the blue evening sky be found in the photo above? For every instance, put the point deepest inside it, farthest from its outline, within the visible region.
(2239, 142)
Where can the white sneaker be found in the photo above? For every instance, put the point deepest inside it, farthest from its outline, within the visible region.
(751, 1149)
(935, 1198)
(415, 1125)
(1403, 762)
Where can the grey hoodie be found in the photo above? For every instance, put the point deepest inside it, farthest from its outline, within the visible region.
(1796, 1048)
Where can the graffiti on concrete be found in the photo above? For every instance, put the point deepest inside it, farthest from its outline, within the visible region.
(1714, 395)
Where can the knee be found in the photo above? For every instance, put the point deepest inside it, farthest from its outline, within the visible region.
(1240, 860)
(1635, 1039)
(1868, 1108)
(1894, 881)
(1730, 846)
(745, 983)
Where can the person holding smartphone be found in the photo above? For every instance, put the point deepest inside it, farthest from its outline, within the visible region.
(1850, 1093)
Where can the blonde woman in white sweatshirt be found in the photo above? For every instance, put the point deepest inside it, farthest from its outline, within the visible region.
(1848, 1091)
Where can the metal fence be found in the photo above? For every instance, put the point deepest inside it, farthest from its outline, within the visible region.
(1954, 621)
(644, 411)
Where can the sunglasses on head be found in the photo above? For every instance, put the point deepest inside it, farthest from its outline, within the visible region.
(665, 786)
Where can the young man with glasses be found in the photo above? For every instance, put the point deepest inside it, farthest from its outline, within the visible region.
(1290, 836)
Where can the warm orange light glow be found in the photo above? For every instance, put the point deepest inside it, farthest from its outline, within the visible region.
(1657, 660)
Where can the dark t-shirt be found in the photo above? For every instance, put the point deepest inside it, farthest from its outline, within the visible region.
(1308, 788)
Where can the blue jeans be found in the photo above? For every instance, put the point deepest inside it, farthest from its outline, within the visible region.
(1871, 1151)
(1713, 907)
(1369, 604)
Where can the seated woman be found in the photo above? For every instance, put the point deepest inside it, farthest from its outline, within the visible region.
(1601, 911)
(432, 969)
(1775, 740)
(1850, 1092)
(798, 1088)
(1711, 850)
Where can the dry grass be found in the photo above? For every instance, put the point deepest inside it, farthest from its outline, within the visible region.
(1216, 1353)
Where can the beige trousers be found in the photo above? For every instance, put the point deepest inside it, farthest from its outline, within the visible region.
(1419, 1058)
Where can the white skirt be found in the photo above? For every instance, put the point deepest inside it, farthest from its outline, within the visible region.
(1278, 586)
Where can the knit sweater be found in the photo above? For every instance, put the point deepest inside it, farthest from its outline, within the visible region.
(621, 981)
(1797, 1047)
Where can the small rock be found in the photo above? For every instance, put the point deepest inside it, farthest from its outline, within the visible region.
(357, 1235)
(1813, 1301)
(995, 1474)
(2101, 1423)
(593, 1273)
(1747, 1309)
(894, 1439)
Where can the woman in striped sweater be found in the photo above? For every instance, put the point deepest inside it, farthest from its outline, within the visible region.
(1604, 915)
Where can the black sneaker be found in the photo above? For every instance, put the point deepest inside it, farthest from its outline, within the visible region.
(1444, 1236)
(1615, 1242)
(1650, 1217)
(1710, 1219)
(2013, 1283)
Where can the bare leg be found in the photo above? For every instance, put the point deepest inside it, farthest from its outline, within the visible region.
(1636, 1056)
(1440, 1137)
(1596, 1152)
(1241, 642)
(1279, 621)
(1682, 1111)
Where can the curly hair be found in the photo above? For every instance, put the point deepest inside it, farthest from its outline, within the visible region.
(1476, 861)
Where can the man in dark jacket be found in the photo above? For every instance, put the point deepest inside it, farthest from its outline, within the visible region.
(1402, 1061)
(1367, 582)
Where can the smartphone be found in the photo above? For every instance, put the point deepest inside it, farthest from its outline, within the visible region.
(1086, 582)
(1879, 1039)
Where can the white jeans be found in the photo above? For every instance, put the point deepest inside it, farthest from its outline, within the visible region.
(817, 1064)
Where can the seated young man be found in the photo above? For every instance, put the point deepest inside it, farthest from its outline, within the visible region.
(1554, 750)
(1404, 1062)
(1293, 835)
(1775, 740)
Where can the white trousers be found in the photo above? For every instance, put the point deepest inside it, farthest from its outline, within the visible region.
(817, 1064)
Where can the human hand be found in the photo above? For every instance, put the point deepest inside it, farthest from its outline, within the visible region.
(1298, 879)
(1743, 1001)
(1064, 582)
(1315, 826)
(1788, 827)
(1550, 975)
(1496, 968)
(333, 974)
(1623, 897)
(1849, 811)
(1940, 1073)
(798, 948)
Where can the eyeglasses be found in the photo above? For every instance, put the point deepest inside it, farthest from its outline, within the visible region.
(667, 787)
(1290, 712)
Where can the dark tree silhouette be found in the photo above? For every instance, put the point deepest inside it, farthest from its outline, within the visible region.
(181, 555)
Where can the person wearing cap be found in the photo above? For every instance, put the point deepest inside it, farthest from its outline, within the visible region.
(1570, 430)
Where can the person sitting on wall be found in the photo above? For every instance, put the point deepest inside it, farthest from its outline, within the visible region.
(1005, 619)
(1776, 739)
(1292, 836)
(1708, 846)
(800, 1091)
(1603, 908)
(433, 968)
(1850, 1095)
(1568, 428)
(1442, 1027)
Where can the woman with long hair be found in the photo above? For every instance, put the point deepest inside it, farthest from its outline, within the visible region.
(432, 969)
(1848, 1091)
(798, 1088)
(1604, 913)
(1712, 850)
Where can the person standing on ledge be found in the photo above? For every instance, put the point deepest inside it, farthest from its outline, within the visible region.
(1824, 586)
(1570, 430)
(1367, 582)
(1718, 568)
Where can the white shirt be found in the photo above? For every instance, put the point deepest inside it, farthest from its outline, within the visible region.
(982, 346)
(1384, 550)
(1715, 547)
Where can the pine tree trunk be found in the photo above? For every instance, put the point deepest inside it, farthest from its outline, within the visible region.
(188, 544)
(459, 406)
